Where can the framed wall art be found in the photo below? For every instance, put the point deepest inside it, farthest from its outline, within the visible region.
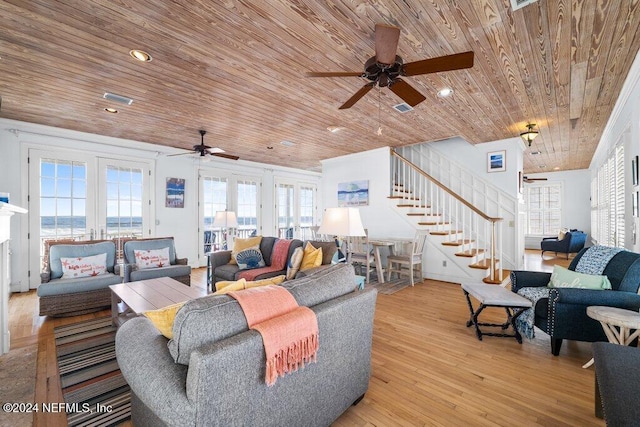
(175, 193)
(496, 161)
(354, 193)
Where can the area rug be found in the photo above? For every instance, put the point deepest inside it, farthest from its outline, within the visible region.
(18, 383)
(92, 385)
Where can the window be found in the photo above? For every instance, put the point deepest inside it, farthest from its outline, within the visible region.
(544, 209)
(247, 208)
(608, 201)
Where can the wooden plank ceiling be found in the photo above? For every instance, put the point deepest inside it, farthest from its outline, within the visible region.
(236, 69)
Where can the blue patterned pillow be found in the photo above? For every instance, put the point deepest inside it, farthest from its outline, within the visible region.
(250, 258)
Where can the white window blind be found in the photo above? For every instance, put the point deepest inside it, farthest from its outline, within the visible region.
(608, 201)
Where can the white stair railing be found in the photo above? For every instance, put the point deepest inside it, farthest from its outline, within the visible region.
(446, 212)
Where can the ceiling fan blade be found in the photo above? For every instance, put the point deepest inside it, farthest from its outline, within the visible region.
(355, 98)
(387, 37)
(333, 74)
(225, 155)
(179, 154)
(456, 61)
(405, 91)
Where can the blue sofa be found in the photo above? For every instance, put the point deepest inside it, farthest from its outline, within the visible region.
(564, 314)
(573, 242)
(177, 269)
(69, 297)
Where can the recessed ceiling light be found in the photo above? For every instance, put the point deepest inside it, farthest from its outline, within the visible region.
(110, 110)
(335, 129)
(140, 55)
(542, 166)
(444, 92)
(557, 168)
(287, 143)
(533, 153)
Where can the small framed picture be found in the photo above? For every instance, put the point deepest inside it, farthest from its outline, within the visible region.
(634, 170)
(496, 161)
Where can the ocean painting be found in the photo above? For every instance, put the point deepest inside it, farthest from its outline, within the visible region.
(175, 193)
(496, 161)
(355, 193)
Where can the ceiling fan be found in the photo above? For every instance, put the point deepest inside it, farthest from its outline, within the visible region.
(530, 180)
(385, 68)
(203, 150)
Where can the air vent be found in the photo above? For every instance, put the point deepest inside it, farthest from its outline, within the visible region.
(517, 4)
(403, 108)
(118, 98)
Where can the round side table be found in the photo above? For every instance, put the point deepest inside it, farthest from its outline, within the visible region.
(618, 324)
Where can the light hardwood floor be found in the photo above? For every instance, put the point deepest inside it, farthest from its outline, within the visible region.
(428, 368)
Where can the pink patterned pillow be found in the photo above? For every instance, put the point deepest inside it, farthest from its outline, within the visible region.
(152, 258)
(73, 268)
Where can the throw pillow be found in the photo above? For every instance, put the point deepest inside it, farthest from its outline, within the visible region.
(294, 263)
(163, 318)
(151, 258)
(241, 244)
(564, 278)
(225, 286)
(94, 265)
(250, 258)
(311, 258)
(265, 282)
(562, 233)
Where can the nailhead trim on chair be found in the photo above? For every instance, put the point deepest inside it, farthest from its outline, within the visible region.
(554, 296)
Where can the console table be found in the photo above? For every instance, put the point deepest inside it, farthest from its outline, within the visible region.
(6, 212)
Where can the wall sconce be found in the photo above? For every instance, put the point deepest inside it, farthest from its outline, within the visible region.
(530, 134)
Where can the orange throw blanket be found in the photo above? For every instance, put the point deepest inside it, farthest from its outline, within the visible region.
(289, 332)
(278, 261)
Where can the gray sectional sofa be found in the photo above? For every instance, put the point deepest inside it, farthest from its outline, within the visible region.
(222, 270)
(212, 372)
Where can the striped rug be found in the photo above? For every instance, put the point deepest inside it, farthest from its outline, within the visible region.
(389, 287)
(94, 390)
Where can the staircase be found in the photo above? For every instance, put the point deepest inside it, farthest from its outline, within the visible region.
(462, 232)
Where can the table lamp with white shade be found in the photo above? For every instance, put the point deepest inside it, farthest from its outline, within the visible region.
(342, 222)
(225, 220)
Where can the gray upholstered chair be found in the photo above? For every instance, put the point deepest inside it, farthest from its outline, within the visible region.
(60, 296)
(177, 268)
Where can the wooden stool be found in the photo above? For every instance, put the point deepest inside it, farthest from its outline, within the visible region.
(495, 296)
(611, 318)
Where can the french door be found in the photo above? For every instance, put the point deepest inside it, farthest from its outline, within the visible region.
(237, 194)
(76, 196)
(296, 208)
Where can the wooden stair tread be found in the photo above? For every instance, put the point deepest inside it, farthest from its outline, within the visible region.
(409, 205)
(483, 265)
(498, 280)
(433, 223)
(471, 253)
(457, 242)
(414, 214)
(444, 232)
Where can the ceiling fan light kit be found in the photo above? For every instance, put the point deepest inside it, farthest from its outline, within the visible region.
(202, 150)
(530, 134)
(386, 68)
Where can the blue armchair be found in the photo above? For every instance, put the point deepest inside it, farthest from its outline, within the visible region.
(177, 268)
(564, 314)
(572, 242)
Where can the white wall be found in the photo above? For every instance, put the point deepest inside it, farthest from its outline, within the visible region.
(576, 209)
(182, 224)
(623, 127)
(373, 166)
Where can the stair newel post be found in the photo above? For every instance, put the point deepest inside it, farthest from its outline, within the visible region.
(492, 274)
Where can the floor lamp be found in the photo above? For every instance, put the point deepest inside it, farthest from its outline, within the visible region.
(342, 222)
(225, 220)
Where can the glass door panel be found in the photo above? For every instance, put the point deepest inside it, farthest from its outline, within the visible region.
(124, 208)
(60, 207)
(247, 208)
(215, 196)
(296, 209)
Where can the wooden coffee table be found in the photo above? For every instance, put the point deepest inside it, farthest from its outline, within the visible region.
(130, 299)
